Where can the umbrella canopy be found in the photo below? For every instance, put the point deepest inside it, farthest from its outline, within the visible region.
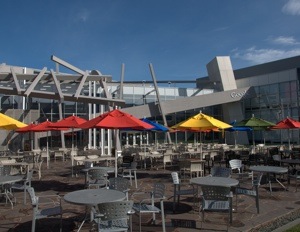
(9, 123)
(255, 124)
(69, 122)
(287, 123)
(156, 126)
(116, 119)
(201, 122)
(238, 128)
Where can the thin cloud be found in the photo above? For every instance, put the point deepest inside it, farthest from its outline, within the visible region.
(292, 7)
(258, 56)
(285, 40)
(83, 15)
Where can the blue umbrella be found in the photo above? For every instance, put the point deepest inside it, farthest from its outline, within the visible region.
(235, 129)
(156, 126)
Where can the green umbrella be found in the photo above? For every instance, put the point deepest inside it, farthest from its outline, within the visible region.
(255, 123)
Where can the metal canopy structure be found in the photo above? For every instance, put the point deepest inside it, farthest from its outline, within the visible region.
(62, 87)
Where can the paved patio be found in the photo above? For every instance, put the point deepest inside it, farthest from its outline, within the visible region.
(275, 210)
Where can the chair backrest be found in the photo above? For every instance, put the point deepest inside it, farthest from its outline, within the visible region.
(276, 158)
(159, 190)
(235, 164)
(119, 183)
(219, 193)
(97, 174)
(8, 161)
(220, 171)
(167, 158)
(114, 210)
(127, 160)
(175, 178)
(196, 166)
(79, 160)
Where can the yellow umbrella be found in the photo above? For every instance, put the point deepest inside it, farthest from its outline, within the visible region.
(9, 123)
(201, 122)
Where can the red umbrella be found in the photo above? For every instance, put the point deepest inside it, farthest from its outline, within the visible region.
(27, 128)
(70, 122)
(287, 123)
(42, 127)
(116, 119)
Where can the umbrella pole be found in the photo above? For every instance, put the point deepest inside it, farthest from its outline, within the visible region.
(47, 150)
(72, 152)
(289, 138)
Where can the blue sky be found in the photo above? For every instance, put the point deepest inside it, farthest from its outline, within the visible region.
(179, 37)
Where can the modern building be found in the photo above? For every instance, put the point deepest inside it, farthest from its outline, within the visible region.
(269, 91)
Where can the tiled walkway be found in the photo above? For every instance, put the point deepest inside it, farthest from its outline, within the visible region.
(275, 210)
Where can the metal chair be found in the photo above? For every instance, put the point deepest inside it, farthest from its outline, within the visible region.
(147, 205)
(97, 178)
(220, 171)
(41, 209)
(26, 183)
(178, 191)
(295, 176)
(236, 164)
(216, 199)
(253, 192)
(114, 216)
(120, 184)
(130, 172)
(59, 154)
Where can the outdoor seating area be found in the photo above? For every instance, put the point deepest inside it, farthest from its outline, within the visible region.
(181, 200)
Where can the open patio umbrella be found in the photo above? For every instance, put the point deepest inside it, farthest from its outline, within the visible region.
(9, 123)
(70, 122)
(118, 120)
(235, 129)
(156, 128)
(201, 122)
(256, 124)
(41, 127)
(287, 123)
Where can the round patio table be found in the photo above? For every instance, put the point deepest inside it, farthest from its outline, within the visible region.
(215, 181)
(92, 197)
(270, 170)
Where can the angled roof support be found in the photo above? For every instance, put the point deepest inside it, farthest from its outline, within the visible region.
(15, 80)
(35, 82)
(83, 79)
(57, 85)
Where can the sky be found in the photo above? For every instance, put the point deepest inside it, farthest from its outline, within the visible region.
(178, 37)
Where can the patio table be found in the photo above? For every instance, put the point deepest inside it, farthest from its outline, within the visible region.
(270, 170)
(214, 181)
(92, 197)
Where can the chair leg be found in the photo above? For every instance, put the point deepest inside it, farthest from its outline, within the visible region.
(163, 216)
(135, 179)
(33, 225)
